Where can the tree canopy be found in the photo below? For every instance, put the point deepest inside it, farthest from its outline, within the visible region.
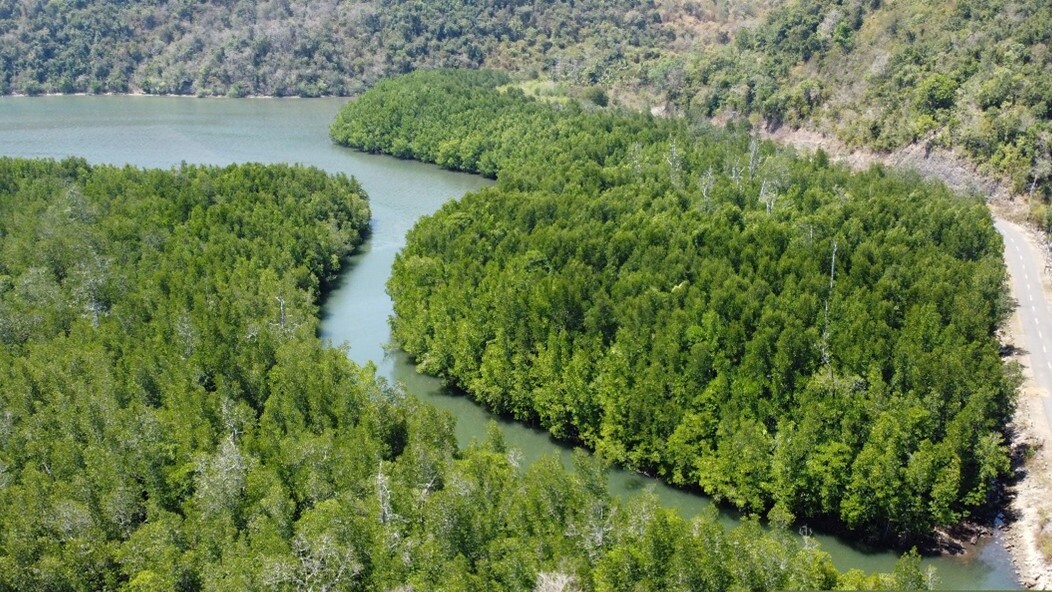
(169, 419)
(321, 47)
(693, 303)
(966, 75)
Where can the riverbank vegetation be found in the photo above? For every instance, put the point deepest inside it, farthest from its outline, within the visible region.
(970, 76)
(169, 419)
(787, 336)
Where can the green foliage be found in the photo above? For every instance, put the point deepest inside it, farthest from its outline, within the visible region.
(936, 93)
(693, 303)
(301, 48)
(144, 320)
(170, 421)
(597, 96)
(968, 75)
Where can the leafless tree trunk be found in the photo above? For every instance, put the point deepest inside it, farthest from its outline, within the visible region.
(555, 582)
(825, 330)
(754, 155)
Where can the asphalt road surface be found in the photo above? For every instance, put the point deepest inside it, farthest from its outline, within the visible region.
(1026, 266)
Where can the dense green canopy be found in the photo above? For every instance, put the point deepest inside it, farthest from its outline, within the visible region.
(170, 421)
(691, 302)
(309, 48)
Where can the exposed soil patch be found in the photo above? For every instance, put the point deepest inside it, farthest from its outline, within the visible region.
(931, 162)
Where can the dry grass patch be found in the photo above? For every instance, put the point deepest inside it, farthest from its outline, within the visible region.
(1044, 536)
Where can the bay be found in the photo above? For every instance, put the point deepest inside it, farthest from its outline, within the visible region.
(164, 131)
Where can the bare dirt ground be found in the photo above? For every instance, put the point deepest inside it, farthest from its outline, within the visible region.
(932, 163)
(1029, 494)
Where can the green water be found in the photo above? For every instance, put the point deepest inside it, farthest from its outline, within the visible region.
(162, 132)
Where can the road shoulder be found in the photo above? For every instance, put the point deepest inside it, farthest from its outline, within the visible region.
(1030, 492)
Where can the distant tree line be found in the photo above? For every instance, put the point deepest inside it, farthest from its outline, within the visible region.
(968, 75)
(785, 335)
(300, 48)
(169, 419)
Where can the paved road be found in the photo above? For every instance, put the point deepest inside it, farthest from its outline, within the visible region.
(1026, 264)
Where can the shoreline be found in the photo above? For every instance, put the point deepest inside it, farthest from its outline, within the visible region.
(171, 95)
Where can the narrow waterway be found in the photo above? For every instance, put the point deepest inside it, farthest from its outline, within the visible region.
(162, 132)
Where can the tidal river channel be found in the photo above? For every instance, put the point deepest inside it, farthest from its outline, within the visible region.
(162, 132)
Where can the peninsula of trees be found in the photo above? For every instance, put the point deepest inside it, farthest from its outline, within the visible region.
(785, 335)
(169, 419)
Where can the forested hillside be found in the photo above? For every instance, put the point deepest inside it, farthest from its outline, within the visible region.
(783, 334)
(170, 421)
(295, 47)
(970, 75)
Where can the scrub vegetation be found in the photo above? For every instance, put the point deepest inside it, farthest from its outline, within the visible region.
(301, 48)
(973, 76)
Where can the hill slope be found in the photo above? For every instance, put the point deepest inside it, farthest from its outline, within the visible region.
(295, 47)
(972, 76)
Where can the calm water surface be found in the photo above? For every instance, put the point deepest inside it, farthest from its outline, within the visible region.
(162, 132)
